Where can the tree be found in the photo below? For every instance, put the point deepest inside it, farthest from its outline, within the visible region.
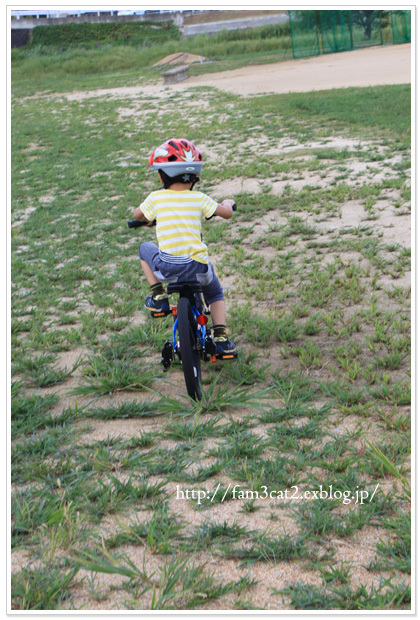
(366, 19)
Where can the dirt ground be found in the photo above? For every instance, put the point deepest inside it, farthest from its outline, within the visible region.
(364, 67)
(368, 67)
(373, 66)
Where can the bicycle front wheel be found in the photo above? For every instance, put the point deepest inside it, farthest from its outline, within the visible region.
(187, 332)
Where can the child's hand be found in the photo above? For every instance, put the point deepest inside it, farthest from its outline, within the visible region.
(225, 209)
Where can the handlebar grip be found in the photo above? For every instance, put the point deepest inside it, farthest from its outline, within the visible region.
(137, 223)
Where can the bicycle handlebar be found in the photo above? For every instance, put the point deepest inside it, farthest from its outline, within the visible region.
(138, 223)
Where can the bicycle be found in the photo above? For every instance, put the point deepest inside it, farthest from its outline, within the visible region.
(191, 337)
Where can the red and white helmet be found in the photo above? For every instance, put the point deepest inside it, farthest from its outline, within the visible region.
(177, 156)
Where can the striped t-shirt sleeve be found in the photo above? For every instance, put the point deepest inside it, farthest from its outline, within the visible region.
(208, 206)
(148, 208)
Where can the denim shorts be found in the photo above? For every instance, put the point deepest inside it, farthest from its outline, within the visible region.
(191, 271)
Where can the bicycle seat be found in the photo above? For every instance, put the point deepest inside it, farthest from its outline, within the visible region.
(175, 287)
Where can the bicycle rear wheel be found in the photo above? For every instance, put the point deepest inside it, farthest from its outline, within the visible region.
(187, 332)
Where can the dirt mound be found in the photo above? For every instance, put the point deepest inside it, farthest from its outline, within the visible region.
(181, 58)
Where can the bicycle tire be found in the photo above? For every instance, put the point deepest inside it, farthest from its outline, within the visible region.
(187, 332)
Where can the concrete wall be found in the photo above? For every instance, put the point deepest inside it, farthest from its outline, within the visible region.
(33, 22)
(234, 24)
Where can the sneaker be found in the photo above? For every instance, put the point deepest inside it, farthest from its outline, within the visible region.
(158, 306)
(225, 349)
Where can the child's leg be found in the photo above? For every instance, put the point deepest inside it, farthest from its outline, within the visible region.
(150, 276)
(214, 296)
(148, 252)
(218, 312)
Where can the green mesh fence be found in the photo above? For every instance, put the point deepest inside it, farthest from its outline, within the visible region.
(366, 28)
(336, 31)
(323, 32)
(401, 26)
(304, 33)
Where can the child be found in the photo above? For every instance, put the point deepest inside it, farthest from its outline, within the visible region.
(182, 256)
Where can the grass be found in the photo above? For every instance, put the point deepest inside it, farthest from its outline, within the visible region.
(319, 308)
(266, 549)
(40, 589)
(304, 596)
(127, 63)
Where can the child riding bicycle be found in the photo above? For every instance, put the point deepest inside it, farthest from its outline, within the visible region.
(181, 255)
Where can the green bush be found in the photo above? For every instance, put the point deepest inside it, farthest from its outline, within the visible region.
(48, 59)
(263, 32)
(89, 34)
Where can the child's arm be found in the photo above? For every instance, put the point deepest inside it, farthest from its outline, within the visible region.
(139, 215)
(225, 209)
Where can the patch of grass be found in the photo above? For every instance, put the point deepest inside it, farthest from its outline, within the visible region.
(386, 597)
(238, 445)
(28, 412)
(192, 431)
(42, 588)
(264, 331)
(265, 549)
(106, 376)
(316, 518)
(347, 109)
(159, 533)
(211, 531)
(332, 573)
(128, 409)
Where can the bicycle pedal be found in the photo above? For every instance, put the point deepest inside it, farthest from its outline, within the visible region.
(227, 356)
(167, 355)
(156, 314)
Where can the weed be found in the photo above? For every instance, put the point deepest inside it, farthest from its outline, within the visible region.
(304, 596)
(211, 531)
(159, 533)
(44, 377)
(309, 355)
(133, 409)
(265, 549)
(108, 376)
(315, 518)
(239, 445)
(42, 588)
(192, 431)
(28, 413)
(332, 573)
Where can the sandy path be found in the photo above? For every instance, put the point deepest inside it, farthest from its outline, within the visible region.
(365, 67)
(372, 66)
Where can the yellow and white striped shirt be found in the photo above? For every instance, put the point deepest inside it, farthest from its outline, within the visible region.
(178, 222)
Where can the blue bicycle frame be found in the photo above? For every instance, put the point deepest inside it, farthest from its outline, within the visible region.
(199, 329)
